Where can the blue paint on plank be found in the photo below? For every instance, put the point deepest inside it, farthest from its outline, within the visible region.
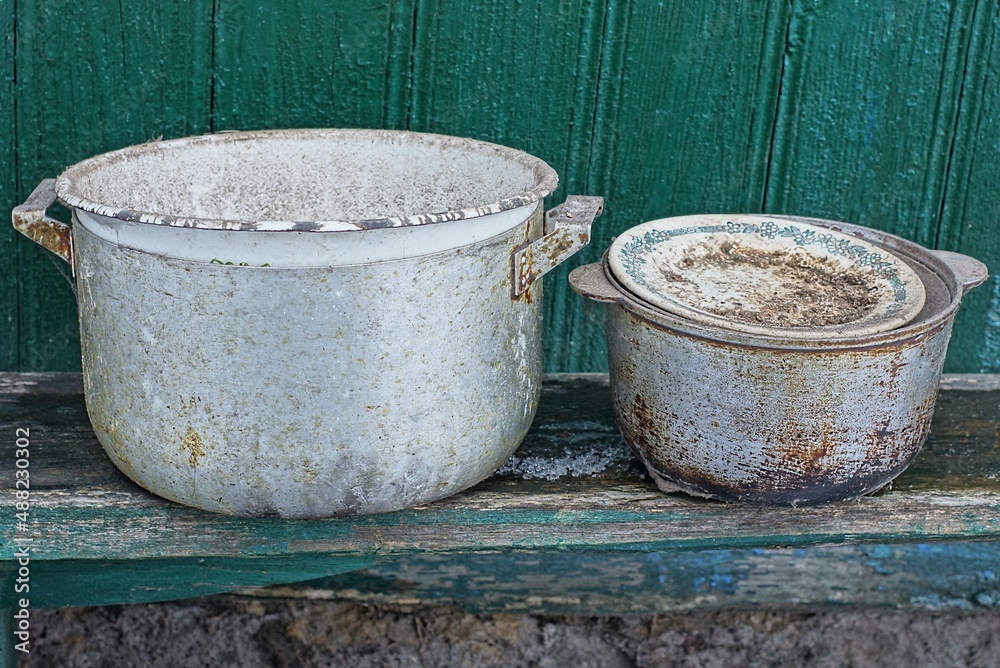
(949, 576)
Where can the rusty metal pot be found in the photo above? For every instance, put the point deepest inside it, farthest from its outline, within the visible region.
(716, 412)
(310, 323)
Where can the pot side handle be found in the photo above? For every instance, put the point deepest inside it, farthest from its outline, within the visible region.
(590, 281)
(969, 271)
(30, 219)
(567, 230)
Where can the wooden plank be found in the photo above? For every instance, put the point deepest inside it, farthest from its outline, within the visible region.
(970, 199)
(604, 519)
(871, 95)
(93, 77)
(111, 582)
(970, 381)
(8, 191)
(311, 64)
(572, 486)
(868, 102)
(682, 124)
(41, 383)
(958, 576)
(480, 74)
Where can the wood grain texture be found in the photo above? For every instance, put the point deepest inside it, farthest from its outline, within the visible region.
(112, 582)
(682, 124)
(9, 241)
(970, 206)
(310, 64)
(881, 123)
(960, 576)
(93, 77)
(512, 74)
(573, 485)
(881, 114)
(868, 101)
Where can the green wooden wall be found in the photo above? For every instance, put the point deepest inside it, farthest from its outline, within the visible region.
(882, 113)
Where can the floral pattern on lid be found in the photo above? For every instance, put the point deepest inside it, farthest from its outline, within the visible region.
(771, 277)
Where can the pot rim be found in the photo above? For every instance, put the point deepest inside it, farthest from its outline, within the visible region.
(933, 318)
(545, 181)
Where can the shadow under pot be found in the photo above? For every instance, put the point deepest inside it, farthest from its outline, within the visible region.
(759, 409)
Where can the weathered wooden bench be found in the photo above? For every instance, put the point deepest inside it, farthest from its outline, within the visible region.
(571, 524)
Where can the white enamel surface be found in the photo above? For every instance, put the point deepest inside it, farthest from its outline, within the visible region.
(301, 249)
(308, 391)
(691, 266)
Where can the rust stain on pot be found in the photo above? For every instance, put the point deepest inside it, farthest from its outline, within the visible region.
(644, 421)
(50, 234)
(806, 454)
(880, 440)
(895, 367)
(801, 458)
(192, 444)
(554, 247)
(805, 468)
(901, 445)
(30, 219)
(648, 435)
(622, 369)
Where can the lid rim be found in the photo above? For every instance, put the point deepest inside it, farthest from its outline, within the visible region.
(884, 317)
(728, 336)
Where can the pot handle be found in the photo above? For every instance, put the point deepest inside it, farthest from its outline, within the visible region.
(590, 281)
(969, 271)
(30, 219)
(567, 230)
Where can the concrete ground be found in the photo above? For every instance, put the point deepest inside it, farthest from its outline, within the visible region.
(247, 633)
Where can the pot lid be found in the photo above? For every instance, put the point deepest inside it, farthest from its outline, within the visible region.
(775, 277)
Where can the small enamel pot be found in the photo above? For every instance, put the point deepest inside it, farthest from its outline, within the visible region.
(721, 412)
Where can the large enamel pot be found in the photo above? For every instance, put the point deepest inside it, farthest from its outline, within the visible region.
(308, 323)
(713, 411)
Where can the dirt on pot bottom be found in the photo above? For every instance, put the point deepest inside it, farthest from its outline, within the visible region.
(249, 633)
